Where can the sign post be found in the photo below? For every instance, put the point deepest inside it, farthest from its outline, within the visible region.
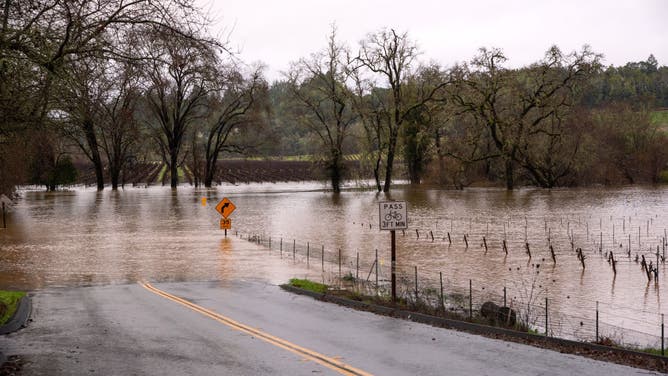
(393, 216)
(225, 207)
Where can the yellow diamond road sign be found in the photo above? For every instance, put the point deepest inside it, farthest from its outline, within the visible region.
(225, 207)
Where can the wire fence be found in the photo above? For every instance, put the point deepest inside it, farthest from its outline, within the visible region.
(524, 307)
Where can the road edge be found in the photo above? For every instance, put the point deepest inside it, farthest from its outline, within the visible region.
(479, 329)
(20, 317)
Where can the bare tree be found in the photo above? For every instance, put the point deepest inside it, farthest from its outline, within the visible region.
(234, 107)
(180, 77)
(419, 128)
(44, 38)
(392, 56)
(49, 33)
(82, 94)
(625, 145)
(320, 84)
(523, 110)
(119, 124)
(370, 107)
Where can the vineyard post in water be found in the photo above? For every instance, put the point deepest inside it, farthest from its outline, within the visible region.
(393, 216)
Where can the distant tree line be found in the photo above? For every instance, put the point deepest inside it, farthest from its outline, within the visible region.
(564, 120)
(116, 83)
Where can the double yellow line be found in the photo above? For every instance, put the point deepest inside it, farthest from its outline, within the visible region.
(324, 360)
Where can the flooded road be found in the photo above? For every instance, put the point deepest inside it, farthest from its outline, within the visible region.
(85, 237)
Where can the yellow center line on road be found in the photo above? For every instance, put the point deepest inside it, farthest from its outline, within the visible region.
(329, 362)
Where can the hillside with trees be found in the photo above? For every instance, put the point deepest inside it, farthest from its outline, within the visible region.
(112, 93)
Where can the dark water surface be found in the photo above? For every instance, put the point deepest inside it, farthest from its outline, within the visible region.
(83, 237)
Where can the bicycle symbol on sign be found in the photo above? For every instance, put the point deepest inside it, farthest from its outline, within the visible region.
(393, 214)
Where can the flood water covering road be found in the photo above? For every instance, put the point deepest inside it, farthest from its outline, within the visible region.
(84, 237)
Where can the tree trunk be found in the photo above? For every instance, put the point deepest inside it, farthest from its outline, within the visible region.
(414, 172)
(210, 170)
(442, 177)
(376, 171)
(115, 172)
(390, 161)
(412, 153)
(91, 139)
(174, 168)
(335, 173)
(115, 167)
(510, 183)
(442, 171)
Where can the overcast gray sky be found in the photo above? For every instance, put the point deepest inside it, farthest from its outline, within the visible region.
(278, 32)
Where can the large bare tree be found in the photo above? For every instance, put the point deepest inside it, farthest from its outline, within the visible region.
(236, 106)
(393, 57)
(369, 105)
(320, 85)
(82, 93)
(119, 129)
(49, 33)
(524, 110)
(180, 77)
(40, 39)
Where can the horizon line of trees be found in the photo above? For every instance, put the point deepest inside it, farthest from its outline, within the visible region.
(114, 82)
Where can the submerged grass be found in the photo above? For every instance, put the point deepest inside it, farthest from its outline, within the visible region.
(9, 301)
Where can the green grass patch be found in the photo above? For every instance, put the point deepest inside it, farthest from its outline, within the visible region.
(308, 285)
(660, 117)
(298, 158)
(663, 177)
(9, 301)
(162, 173)
(652, 351)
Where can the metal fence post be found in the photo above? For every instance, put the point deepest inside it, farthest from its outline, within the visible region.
(281, 247)
(308, 254)
(416, 285)
(597, 321)
(546, 317)
(339, 263)
(440, 277)
(357, 267)
(322, 259)
(470, 300)
(294, 243)
(663, 348)
(504, 296)
(376, 271)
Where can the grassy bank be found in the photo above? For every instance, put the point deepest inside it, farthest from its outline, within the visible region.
(9, 301)
(612, 351)
(305, 284)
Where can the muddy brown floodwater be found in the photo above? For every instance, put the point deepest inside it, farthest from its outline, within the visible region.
(84, 237)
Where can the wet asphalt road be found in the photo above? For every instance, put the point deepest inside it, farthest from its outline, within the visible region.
(128, 330)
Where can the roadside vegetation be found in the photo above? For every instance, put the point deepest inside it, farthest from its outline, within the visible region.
(9, 301)
(492, 318)
(305, 284)
(78, 104)
(402, 303)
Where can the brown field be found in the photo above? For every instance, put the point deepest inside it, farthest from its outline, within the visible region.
(229, 171)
